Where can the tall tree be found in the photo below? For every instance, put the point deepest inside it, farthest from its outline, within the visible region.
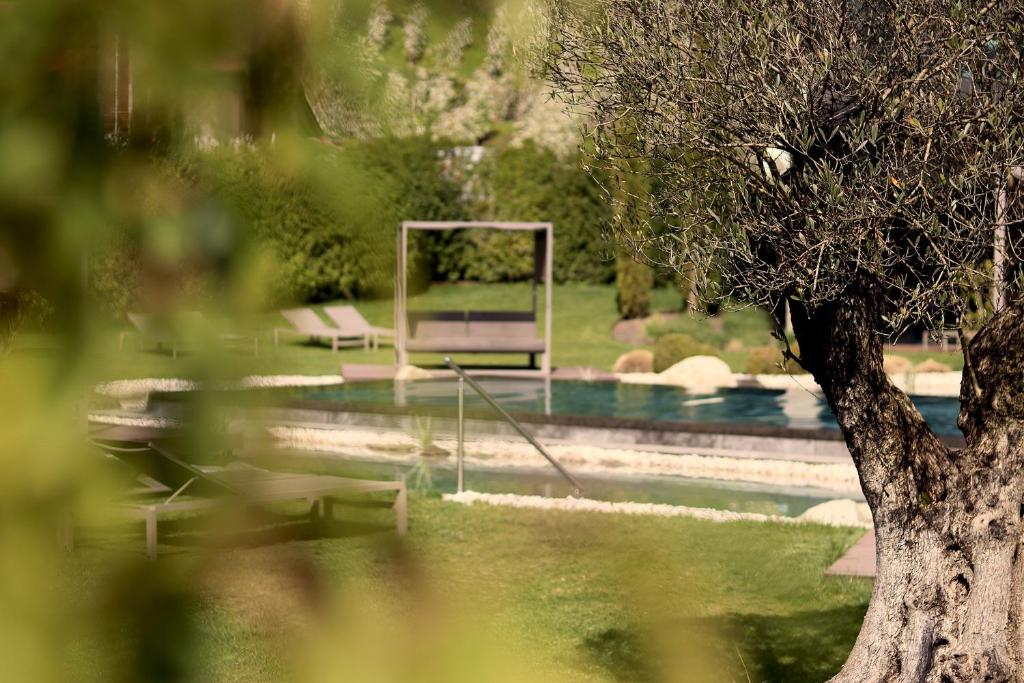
(852, 157)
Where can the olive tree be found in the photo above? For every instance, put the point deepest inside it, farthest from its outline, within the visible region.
(857, 159)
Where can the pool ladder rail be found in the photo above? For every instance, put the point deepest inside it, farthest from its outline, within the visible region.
(465, 379)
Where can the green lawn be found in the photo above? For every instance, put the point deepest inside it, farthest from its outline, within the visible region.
(474, 594)
(584, 316)
(583, 319)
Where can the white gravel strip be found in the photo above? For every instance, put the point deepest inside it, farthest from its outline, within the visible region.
(919, 384)
(130, 388)
(125, 420)
(652, 509)
(583, 459)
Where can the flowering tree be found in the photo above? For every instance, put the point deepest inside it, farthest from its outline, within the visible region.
(858, 160)
(432, 94)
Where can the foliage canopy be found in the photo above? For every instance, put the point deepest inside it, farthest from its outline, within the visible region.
(801, 148)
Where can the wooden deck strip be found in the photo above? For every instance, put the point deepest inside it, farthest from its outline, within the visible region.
(859, 560)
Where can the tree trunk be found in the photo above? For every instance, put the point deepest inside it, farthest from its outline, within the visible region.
(948, 603)
(947, 599)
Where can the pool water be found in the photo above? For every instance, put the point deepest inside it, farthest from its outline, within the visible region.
(795, 409)
(433, 479)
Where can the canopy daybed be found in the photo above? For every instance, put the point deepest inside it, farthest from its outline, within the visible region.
(457, 333)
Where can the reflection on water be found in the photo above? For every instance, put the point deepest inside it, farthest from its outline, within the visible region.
(796, 409)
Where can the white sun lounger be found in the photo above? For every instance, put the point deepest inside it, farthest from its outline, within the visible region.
(348, 319)
(306, 323)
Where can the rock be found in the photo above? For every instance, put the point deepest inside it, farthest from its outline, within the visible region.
(699, 372)
(637, 360)
(843, 512)
(931, 365)
(633, 331)
(938, 383)
(411, 372)
(897, 365)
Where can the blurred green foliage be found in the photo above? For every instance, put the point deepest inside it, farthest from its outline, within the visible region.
(20, 309)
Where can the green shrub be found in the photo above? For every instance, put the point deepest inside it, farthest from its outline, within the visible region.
(673, 348)
(633, 282)
(767, 360)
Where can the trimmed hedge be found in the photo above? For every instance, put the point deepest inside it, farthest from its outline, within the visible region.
(529, 183)
(331, 223)
(328, 215)
(673, 348)
(634, 282)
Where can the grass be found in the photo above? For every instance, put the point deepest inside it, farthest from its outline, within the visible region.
(582, 335)
(497, 594)
(744, 327)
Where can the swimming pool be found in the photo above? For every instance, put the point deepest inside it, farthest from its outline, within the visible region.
(793, 409)
(689, 492)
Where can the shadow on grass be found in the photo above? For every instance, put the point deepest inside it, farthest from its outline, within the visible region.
(624, 653)
(804, 647)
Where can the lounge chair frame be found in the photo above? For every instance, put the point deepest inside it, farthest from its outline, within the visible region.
(145, 328)
(250, 485)
(349, 319)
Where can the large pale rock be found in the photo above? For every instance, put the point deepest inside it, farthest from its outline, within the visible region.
(699, 372)
(931, 365)
(839, 513)
(411, 372)
(637, 360)
(897, 365)
(937, 384)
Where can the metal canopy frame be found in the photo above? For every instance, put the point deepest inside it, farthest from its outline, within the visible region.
(543, 267)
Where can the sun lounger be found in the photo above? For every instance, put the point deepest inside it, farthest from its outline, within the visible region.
(305, 322)
(167, 332)
(348, 319)
(198, 321)
(174, 485)
(157, 331)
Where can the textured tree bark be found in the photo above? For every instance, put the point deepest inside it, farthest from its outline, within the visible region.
(948, 602)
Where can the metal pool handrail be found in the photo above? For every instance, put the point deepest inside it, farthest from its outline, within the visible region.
(464, 379)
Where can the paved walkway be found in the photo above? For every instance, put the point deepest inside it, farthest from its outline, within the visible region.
(858, 560)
